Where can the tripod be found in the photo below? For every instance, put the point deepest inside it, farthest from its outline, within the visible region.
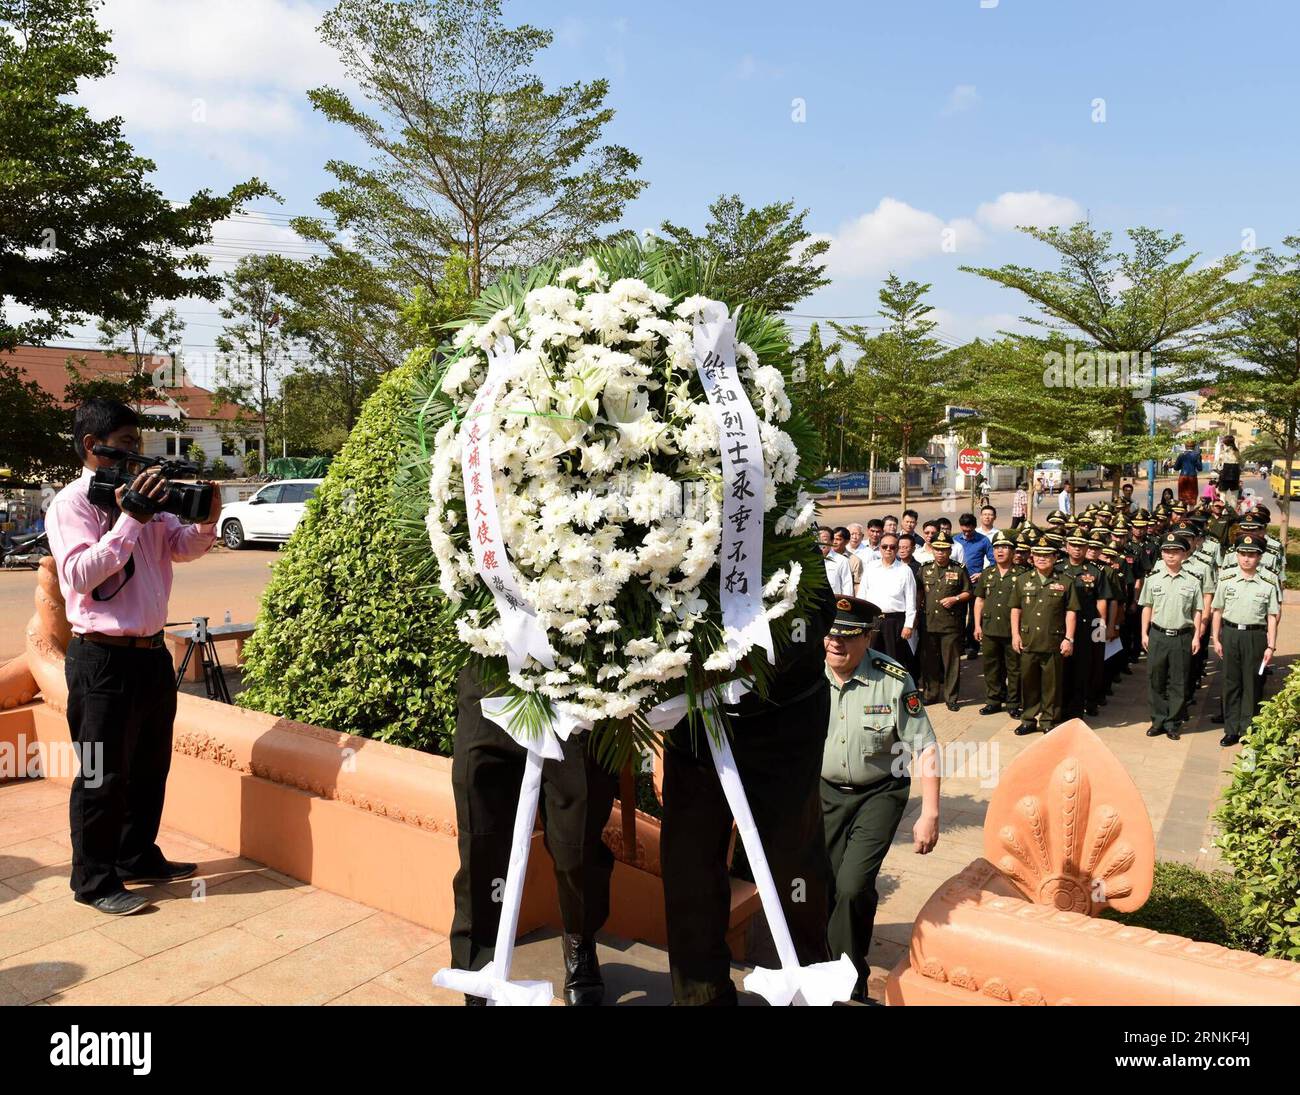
(214, 678)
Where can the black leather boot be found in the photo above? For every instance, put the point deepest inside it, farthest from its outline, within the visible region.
(583, 985)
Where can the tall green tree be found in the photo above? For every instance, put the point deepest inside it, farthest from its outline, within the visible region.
(82, 230)
(823, 390)
(148, 346)
(898, 374)
(254, 347)
(765, 256)
(1147, 304)
(473, 154)
(1263, 382)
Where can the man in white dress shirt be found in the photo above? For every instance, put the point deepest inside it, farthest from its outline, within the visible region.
(837, 567)
(986, 526)
(891, 586)
(869, 550)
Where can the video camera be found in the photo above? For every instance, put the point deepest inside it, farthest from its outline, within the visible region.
(189, 501)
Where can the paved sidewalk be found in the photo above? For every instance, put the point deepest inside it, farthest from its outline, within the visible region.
(245, 934)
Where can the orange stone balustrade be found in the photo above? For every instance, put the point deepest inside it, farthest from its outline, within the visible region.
(1067, 835)
(367, 820)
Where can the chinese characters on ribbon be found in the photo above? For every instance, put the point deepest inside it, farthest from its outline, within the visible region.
(524, 634)
(741, 556)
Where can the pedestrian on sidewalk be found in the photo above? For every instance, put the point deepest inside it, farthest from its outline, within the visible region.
(1187, 464)
(1019, 505)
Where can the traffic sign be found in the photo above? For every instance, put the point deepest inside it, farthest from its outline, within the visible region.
(970, 461)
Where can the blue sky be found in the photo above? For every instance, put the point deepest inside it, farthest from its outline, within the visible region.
(920, 117)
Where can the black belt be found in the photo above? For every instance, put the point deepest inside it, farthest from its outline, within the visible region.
(139, 642)
(1248, 627)
(1171, 634)
(893, 615)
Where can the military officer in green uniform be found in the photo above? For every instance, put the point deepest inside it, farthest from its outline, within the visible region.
(1246, 608)
(1095, 594)
(1171, 603)
(1044, 613)
(993, 589)
(878, 728)
(947, 591)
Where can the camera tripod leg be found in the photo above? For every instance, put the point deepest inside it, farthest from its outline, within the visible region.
(216, 677)
(185, 664)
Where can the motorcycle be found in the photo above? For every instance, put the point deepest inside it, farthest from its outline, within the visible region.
(25, 552)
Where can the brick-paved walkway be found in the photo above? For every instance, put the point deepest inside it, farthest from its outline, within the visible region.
(259, 937)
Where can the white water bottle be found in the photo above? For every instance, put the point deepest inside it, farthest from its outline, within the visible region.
(227, 615)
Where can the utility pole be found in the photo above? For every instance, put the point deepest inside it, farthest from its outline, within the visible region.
(1151, 464)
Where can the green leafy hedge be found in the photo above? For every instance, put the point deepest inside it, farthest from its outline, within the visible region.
(1191, 903)
(1259, 823)
(348, 636)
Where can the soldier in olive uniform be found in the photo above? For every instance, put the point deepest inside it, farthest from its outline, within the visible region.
(877, 725)
(1171, 616)
(1246, 608)
(993, 589)
(1095, 594)
(947, 590)
(487, 769)
(1044, 614)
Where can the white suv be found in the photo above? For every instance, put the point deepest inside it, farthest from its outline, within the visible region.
(270, 515)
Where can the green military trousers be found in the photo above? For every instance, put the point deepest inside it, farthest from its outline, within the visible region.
(487, 769)
(1001, 670)
(1169, 660)
(1042, 687)
(941, 660)
(860, 825)
(1243, 684)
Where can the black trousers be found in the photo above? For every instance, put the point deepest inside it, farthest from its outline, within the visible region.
(779, 755)
(893, 643)
(121, 706)
(860, 826)
(487, 769)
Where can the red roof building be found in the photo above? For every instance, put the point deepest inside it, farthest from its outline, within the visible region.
(199, 420)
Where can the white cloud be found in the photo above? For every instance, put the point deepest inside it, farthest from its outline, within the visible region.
(894, 234)
(1028, 207)
(243, 66)
(962, 327)
(963, 97)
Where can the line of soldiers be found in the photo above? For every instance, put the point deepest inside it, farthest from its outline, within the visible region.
(1066, 608)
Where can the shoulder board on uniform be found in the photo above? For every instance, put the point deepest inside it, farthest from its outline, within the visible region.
(886, 664)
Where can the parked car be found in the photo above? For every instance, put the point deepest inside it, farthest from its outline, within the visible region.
(1277, 479)
(1054, 472)
(269, 516)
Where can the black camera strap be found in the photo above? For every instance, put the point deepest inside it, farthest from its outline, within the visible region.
(128, 571)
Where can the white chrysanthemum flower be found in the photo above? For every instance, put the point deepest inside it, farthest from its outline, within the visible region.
(587, 274)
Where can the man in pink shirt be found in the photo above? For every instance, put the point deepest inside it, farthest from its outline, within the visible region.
(115, 571)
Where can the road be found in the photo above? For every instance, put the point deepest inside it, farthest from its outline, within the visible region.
(209, 586)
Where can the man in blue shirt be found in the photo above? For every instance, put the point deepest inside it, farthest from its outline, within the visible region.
(977, 553)
(1187, 463)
